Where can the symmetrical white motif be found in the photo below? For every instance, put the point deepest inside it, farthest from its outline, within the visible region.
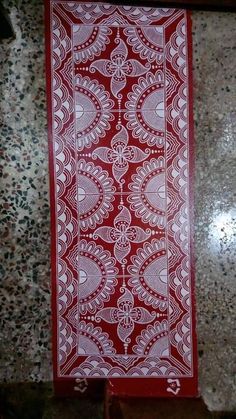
(144, 126)
(97, 276)
(67, 72)
(89, 41)
(126, 315)
(146, 41)
(171, 83)
(149, 274)
(147, 110)
(148, 197)
(122, 234)
(153, 341)
(174, 311)
(101, 261)
(118, 68)
(120, 154)
(92, 111)
(147, 95)
(115, 20)
(95, 195)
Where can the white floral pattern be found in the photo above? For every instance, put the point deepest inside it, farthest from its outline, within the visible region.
(126, 315)
(122, 234)
(120, 154)
(118, 67)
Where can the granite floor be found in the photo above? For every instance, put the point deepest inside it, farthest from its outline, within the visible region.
(25, 239)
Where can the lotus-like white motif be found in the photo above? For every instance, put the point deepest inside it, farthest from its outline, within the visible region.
(118, 67)
(120, 154)
(122, 234)
(126, 315)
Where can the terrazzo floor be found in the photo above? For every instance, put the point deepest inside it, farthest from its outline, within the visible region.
(25, 338)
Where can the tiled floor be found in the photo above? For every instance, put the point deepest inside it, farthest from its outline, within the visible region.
(25, 295)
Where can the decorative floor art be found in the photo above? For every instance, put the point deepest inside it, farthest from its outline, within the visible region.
(120, 132)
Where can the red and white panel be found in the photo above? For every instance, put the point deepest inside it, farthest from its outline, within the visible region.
(120, 127)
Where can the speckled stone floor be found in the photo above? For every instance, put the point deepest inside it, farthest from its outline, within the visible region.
(25, 338)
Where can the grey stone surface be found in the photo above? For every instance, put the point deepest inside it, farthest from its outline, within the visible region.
(25, 338)
(214, 60)
(24, 221)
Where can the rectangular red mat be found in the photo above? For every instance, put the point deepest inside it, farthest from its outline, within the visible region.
(120, 135)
